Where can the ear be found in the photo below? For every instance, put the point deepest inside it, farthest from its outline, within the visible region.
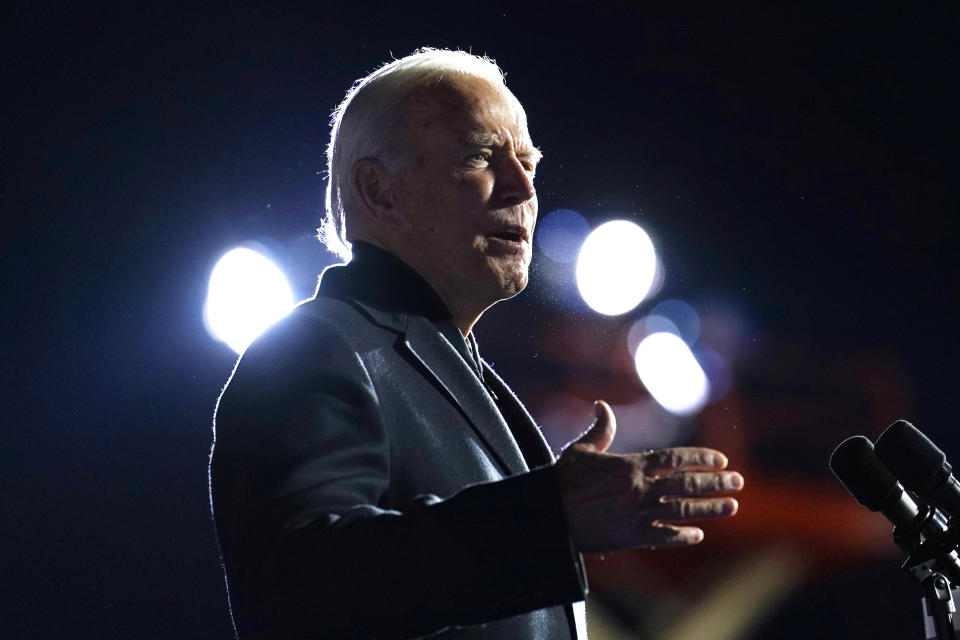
(375, 186)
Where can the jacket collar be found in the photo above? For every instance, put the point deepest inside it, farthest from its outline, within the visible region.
(395, 297)
(536, 450)
(384, 285)
(433, 354)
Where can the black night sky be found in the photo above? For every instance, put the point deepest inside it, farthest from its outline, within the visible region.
(797, 162)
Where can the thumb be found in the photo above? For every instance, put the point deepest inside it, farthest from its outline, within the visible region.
(600, 434)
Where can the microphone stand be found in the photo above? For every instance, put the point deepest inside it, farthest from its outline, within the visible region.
(931, 544)
(940, 621)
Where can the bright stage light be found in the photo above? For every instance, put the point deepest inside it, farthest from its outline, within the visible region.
(616, 267)
(671, 373)
(247, 294)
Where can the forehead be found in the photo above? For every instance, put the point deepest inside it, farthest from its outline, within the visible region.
(467, 108)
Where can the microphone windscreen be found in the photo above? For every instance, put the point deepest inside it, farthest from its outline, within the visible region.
(862, 473)
(912, 457)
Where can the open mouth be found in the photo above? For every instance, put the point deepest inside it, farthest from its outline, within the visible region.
(513, 233)
(510, 236)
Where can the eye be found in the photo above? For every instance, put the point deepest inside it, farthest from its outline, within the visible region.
(478, 158)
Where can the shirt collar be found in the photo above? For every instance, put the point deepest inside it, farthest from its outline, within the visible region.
(381, 279)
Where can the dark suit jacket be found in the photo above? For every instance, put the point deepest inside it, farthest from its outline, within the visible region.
(371, 479)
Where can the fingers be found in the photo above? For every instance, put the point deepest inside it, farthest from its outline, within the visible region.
(665, 535)
(694, 509)
(660, 534)
(698, 483)
(615, 501)
(600, 434)
(675, 458)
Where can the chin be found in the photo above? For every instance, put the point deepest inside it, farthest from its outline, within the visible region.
(512, 279)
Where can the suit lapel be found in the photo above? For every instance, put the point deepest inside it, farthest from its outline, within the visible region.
(535, 449)
(441, 363)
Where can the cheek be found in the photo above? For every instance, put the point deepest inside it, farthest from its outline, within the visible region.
(449, 212)
(424, 213)
(474, 193)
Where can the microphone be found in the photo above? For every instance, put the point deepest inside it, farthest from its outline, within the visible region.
(861, 472)
(920, 465)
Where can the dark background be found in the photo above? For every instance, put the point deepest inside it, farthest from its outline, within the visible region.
(796, 162)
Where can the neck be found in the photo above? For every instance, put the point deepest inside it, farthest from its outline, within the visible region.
(464, 318)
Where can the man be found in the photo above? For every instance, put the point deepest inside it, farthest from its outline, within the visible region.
(372, 476)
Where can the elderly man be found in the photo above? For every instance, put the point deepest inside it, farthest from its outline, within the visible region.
(372, 476)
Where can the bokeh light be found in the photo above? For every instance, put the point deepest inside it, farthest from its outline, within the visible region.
(671, 373)
(247, 294)
(679, 314)
(718, 372)
(560, 233)
(616, 267)
(646, 325)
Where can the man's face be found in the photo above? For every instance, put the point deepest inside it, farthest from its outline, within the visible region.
(467, 192)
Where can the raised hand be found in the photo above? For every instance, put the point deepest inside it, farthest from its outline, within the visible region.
(615, 501)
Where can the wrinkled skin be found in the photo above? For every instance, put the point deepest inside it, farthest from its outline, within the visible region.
(618, 502)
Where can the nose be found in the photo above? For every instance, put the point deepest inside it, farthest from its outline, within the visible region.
(514, 183)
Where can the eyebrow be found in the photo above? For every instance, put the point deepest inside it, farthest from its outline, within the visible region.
(532, 154)
(487, 139)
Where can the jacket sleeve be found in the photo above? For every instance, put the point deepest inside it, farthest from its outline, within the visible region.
(299, 466)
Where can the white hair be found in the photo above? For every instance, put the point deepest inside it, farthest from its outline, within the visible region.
(368, 124)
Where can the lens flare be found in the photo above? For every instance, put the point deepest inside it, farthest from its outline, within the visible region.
(685, 320)
(247, 294)
(671, 373)
(560, 234)
(616, 267)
